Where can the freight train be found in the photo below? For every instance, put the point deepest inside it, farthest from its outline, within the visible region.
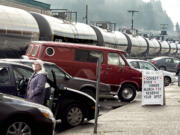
(18, 27)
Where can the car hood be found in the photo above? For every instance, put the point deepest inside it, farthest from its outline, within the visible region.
(81, 93)
(83, 82)
(165, 73)
(168, 73)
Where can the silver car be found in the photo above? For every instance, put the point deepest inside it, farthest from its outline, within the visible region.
(145, 65)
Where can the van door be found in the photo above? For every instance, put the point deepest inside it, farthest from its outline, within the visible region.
(114, 72)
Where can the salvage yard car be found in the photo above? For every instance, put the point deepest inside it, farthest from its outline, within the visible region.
(69, 105)
(145, 65)
(63, 78)
(20, 117)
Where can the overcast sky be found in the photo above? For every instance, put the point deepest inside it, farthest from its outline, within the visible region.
(172, 8)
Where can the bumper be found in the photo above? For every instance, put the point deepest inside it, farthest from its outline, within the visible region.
(91, 114)
(46, 127)
(174, 79)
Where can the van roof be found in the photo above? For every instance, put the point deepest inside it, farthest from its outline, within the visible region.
(74, 45)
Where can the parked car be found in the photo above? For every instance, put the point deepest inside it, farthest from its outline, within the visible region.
(63, 78)
(165, 63)
(145, 65)
(20, 117)
(69, 105)
(81, 61)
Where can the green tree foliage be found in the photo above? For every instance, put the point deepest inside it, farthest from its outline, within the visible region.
(149, 17)
(177, 27)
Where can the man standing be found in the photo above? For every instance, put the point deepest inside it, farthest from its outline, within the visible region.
(36, 84)
(178, 73)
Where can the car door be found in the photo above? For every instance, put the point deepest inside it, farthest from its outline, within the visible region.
(170, 64)
(61, 77)
(7, 84)
(21, 73)
(114, 72)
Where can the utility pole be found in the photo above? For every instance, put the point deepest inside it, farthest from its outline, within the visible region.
(86, 14)
(132, 21)
(163, 30)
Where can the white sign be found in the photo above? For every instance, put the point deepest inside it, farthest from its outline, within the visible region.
(152, 88)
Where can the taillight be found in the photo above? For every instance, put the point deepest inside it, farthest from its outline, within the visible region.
(154, 62)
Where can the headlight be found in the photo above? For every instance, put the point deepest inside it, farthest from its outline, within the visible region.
(46, 113)
(49, 115)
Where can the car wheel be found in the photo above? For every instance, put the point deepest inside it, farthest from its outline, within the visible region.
(127, 93)
(162, 68)
(167, 81)
(89, 91)
(19, 127)
(73, 115)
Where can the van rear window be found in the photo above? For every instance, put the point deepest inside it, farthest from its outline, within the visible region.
(87, 55)
(29, 50)
(35, 49)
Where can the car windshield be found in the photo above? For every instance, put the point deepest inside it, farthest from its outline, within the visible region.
(176, 61)
(59, 73)
(146, 66)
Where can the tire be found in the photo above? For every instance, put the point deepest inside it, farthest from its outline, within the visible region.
(73, 115)
(167, 81)
(89, 91)
(162, 68)
(127, 93)
(18, 127)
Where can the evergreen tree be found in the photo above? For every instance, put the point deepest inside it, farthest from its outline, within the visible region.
(177, 27)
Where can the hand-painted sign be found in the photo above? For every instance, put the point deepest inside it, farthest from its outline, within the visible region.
(152, 88)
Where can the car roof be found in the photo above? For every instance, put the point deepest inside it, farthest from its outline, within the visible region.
(129, 60)
(24, 60)
(9, 61)
(74, 45)
(13, 63)
(161, 57)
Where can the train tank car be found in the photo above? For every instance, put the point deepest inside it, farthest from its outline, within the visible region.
(139, 46)
(154, 47)
(17, 28)
(55, 29)
(173, 49)
(178, 50)
(165, 48)
(112, 39)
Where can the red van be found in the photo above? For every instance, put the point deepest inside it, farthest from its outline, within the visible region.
(81, 61)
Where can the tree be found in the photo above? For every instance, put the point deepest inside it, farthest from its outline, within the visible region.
(177, 27)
